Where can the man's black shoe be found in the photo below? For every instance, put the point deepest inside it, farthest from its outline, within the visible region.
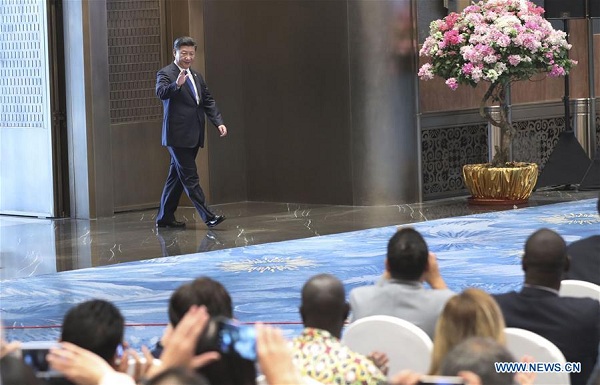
(173, 224)
(215, 221)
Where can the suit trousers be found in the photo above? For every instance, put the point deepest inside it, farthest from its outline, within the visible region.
(183, 176)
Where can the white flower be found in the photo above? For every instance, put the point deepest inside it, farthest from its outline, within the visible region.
(507, 22)
(500, 68)
(491, 75)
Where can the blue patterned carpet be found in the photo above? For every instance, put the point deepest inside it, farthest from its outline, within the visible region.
(265, 280)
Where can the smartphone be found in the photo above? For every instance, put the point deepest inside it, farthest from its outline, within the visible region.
(34, 355)
(441, 380)
(235, 337)
(131, 361)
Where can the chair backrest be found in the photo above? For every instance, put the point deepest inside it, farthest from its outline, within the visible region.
(521, 342)
(579, 289)
(406, 345)
(262, 380)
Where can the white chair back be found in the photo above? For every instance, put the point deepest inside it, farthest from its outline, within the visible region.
(521, 342)
(579, 289)
(262, 380)
(406, 345)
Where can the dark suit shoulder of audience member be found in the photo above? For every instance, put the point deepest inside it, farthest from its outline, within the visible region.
(408, 263)
(572, 324)
(585, 258)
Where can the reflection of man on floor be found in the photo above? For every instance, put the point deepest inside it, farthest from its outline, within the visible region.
(170, 242)
(402, 295)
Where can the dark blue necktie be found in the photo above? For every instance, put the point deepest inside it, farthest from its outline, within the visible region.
(189, 83)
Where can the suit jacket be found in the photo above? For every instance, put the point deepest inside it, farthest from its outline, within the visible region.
(408, 300)
(572, 324)
(585, 260)
(183, 118)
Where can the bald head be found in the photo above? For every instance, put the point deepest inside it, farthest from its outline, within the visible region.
(324, 303)
(545, 256)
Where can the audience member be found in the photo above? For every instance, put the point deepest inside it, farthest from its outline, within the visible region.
(202, 291)
(95, 325)
(84, 367)
(318, 352)
(585, 258)
(179, 356)
(230, 369)
(472, 313)
(572, 324)
(402, 295)
(472, 361)
(478, 355)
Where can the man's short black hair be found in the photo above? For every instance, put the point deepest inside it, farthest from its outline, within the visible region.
(184, 41)
(407, 255)
(545, 251)
(324, 299)
(95, 325)
(201, 291)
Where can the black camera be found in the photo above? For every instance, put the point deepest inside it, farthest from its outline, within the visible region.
(228, 337)
(34, 355)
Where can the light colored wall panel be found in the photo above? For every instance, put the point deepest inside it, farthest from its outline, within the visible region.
(26, 174)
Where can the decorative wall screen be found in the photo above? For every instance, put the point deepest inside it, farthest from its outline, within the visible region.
(26, 158)
(134, 43)
(23, 74)
(444, 151)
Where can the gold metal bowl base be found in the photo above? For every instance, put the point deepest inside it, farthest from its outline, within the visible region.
(496, 202)
(510, 185)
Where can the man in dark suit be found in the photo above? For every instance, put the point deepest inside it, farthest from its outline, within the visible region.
(572, 324)
(185, 100)
(585, 258)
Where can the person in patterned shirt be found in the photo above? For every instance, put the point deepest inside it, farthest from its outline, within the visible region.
(318, 351)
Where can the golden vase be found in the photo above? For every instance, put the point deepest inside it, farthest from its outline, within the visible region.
(510, 184)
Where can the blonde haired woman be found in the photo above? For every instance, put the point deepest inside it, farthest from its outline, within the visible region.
(472, 313)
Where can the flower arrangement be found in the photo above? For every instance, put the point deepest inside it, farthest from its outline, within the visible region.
(496, 41)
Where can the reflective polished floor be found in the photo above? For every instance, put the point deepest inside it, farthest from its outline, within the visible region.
(32, 246)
